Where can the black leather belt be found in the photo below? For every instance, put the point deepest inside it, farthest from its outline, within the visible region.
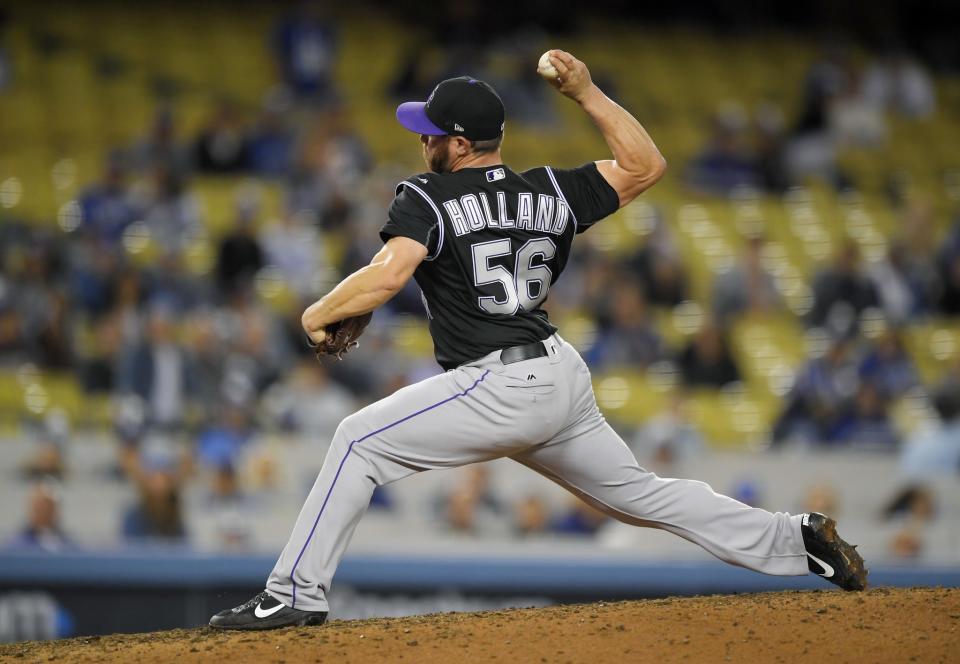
(521, 353)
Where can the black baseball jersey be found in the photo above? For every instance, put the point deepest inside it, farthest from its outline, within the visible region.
(496, 241)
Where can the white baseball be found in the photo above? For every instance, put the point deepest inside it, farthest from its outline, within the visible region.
(545, 68)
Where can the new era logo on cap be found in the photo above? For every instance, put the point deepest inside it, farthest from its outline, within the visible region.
(457, 127)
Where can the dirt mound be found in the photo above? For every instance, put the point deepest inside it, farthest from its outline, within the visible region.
(885, 625)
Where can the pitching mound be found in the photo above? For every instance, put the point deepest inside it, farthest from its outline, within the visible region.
(885, 625)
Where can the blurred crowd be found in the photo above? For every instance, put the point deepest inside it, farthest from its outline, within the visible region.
(198, 363)
(845, 104)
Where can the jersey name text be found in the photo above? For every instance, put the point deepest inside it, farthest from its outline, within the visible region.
(474, 212)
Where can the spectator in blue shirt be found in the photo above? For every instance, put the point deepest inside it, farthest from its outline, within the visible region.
(627, 334)
(864, 423)
(42, 530)
(725, 163)
(821, 397)
(305, 44)
(222, 443)
(270, 145)
(107, 208)
(888, 366)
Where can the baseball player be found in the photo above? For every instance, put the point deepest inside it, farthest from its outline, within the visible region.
(485, 244)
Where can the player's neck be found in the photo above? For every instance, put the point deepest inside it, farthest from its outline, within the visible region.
(478, 161)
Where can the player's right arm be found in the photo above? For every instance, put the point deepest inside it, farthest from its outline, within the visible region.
(637, 163)
(367, 288)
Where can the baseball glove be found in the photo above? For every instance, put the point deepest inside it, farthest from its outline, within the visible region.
(341, 336)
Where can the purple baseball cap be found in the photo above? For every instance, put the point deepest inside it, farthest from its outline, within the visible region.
(463, 106)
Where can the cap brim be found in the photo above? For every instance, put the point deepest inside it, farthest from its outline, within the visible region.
(413, 116)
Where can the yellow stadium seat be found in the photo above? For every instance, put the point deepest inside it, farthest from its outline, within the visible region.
(934, 347)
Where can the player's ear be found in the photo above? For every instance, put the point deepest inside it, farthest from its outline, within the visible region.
(461, 145)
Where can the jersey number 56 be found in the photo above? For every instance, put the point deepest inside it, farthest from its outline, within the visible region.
(526, 286)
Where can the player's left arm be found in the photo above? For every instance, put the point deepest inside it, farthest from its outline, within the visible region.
(637, 164)
(367, 288)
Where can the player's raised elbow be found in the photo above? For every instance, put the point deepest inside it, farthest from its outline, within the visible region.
(661, 166)
(653, 171)
(641, 178)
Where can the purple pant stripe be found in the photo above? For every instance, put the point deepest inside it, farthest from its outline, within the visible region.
(344, 460)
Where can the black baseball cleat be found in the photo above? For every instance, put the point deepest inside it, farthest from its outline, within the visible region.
(266, 612)
(829, 556)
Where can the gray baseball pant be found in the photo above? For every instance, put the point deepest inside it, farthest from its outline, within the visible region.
(542, 413)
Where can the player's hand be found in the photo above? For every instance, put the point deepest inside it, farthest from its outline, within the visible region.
(319, 337)
(340, 337)
(574, 80)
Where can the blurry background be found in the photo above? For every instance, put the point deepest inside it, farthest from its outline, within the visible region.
(778, 317)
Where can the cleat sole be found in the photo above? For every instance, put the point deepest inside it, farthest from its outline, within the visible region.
(855, 572)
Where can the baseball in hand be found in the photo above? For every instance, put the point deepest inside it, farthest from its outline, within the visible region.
(545, 68)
